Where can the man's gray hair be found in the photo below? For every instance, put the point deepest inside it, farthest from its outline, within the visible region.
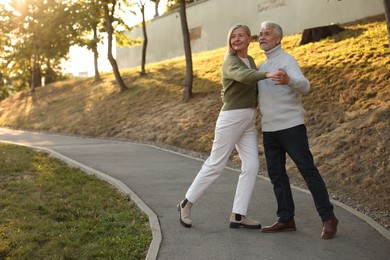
(273, 26)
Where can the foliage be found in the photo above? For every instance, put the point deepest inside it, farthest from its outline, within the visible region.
(38, 37)
(87, 15)
(174, 4)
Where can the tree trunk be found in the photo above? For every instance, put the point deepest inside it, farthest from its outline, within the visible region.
(156, 8)
(50, 74)
(187, 50)
(34, 71)
(318, 33)
(145, 42)
(95, 53)
(386, 4)
(110, 31)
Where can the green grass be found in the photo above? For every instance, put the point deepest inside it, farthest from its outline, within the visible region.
(51, 211)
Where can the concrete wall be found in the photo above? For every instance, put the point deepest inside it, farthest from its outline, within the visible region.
(213, 18)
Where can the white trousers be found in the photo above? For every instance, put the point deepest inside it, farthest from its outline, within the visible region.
(234, 128)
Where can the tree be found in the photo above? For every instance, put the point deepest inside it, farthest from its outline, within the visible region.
(141, 5)
(386, 4)
(187, 50)
(92, 20)
(40, 35)
(109, 11)
(94, 47)
(89, 22)
(156, 2)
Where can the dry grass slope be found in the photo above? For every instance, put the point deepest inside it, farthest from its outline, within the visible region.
(348, 115)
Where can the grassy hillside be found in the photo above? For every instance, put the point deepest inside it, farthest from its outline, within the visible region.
(348, 110)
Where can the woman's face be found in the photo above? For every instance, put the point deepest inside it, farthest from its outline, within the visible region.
(240, 40)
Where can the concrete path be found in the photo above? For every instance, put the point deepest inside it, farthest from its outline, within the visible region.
(157, 179)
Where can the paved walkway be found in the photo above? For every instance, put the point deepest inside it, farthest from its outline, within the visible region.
(157, 179)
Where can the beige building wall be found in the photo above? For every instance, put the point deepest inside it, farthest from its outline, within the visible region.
(210, 20)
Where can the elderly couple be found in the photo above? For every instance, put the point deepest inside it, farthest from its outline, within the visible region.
(277, 85)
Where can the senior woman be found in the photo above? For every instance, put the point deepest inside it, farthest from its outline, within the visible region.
(235, 128)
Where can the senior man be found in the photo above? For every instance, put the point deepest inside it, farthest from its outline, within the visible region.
(284, 132)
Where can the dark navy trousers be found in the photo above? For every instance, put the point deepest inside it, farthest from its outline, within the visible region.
(294, 142)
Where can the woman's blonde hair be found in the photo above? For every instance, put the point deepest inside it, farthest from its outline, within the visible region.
(230, 49)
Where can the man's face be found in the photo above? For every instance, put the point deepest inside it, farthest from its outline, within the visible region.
(267, 39)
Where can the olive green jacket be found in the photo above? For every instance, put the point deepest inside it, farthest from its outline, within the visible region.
(240, 83)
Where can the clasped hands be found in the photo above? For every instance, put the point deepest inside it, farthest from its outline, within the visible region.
(279, 77)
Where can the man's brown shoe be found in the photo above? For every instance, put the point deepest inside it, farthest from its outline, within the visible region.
(280, 226)
(237, 220)
(329, 228)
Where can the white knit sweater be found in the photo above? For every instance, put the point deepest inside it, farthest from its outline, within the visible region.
(281, 105)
